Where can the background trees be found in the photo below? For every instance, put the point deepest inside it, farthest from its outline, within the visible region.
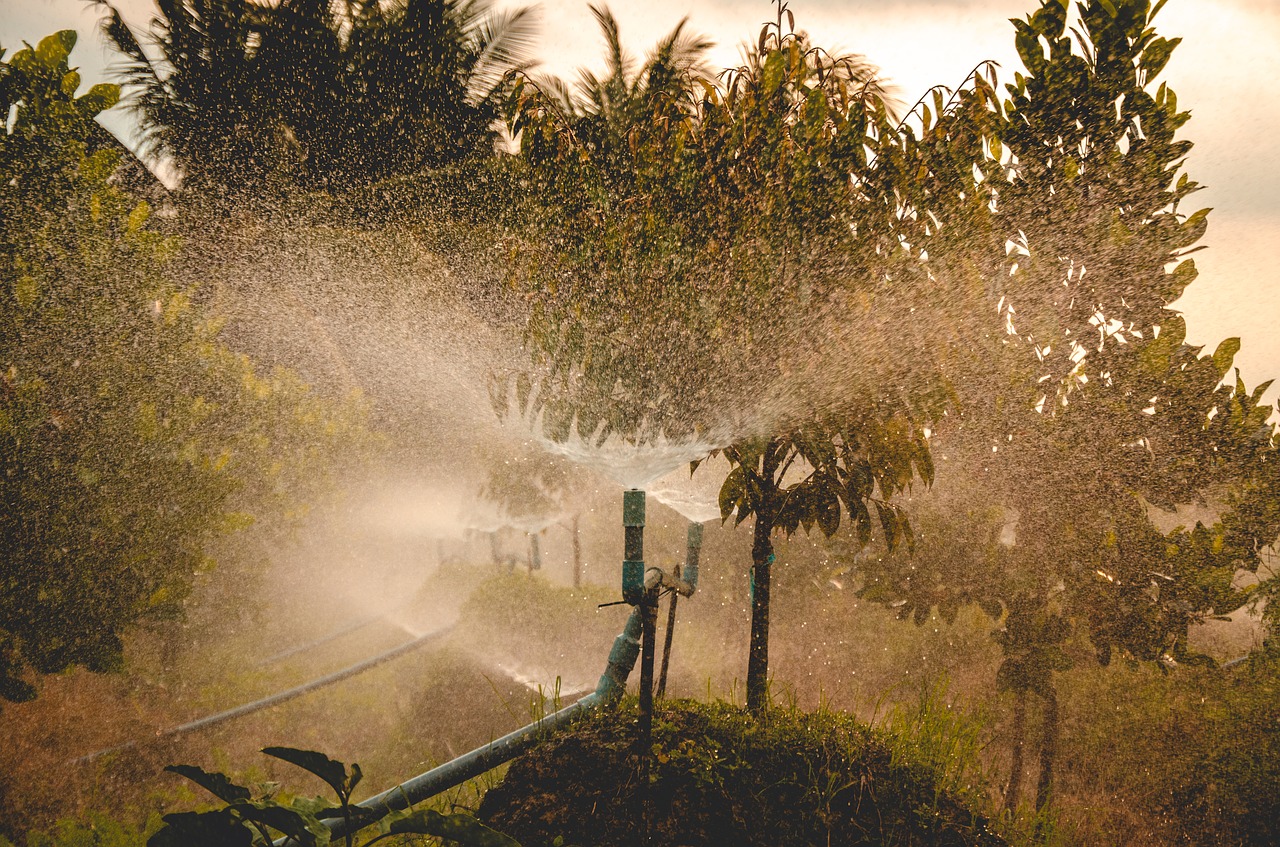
(252, 100)
(130, 436)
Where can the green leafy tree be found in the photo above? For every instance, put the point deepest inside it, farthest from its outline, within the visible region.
(1094, 409)
(130, 437)
(715, 252)
(251, 100)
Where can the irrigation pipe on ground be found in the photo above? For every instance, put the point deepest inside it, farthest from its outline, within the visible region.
(622, 659)
(283, 696)
(355, 625)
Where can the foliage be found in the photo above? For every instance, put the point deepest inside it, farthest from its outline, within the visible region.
(130, 437)
(1098, 410)
(249, 821)
(936, 730)
(1207, 735)
(251, 99)
(724, 259)
(98, 830)
(718, 776)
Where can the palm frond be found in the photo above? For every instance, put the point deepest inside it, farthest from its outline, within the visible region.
(504, 42)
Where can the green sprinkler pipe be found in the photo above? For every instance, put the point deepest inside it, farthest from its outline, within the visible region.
(613, 683)
(633, 549)
(454, 773)
(693, 552)
(622, 658)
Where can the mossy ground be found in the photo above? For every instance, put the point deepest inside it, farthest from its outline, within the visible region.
(718, 777)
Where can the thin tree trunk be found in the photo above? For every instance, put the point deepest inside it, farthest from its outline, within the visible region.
(1048, 749)
(758, 659)
(577, 555)
(1016, 766)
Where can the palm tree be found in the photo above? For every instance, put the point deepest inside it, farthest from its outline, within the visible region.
(248, 99)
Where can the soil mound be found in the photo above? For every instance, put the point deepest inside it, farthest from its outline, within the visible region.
(719, 777)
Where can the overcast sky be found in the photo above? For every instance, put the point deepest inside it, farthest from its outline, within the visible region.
(1225, 72)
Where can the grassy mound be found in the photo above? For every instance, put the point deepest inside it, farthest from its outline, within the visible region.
(719, 777)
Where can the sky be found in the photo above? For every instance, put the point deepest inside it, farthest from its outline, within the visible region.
(1225, 72)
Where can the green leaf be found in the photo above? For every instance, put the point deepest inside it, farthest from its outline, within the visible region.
(1156, 56)
(731, 492)
(826, 506)
(774, 67)
(138, 217)
(280, 818)
(334, 773)
(25, 290)
(101, 97)
(201, 829)
(1225, 355)
(15, 690)
(462, 829)
(54, 49)
(1193, 229)
(216, 784)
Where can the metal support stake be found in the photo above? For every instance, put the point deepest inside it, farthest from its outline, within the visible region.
(666, 644)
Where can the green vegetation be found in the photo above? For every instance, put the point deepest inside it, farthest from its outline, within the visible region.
(1102, 411)
(130, 436)
(719, 775)
(847, 302)
(246, 820)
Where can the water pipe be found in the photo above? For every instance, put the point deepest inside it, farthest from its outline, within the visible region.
(633, 546)
(636, 584)
(686, 582)
(289, 652)
(622, 659)
(282, 696)
(455, 772)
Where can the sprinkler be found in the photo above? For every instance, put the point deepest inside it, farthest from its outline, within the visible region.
(640, 589)
(633, 587)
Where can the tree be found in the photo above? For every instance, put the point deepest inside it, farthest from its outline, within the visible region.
(130, 437)
(254, 100)
(718, 250)
(1096, 409)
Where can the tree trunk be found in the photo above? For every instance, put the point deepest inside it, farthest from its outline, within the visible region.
(758, 660)
(535, 553)
(577, 555)
(1016, 766)
(1048, 749)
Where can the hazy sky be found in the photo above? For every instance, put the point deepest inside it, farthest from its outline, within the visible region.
(1225, 72)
